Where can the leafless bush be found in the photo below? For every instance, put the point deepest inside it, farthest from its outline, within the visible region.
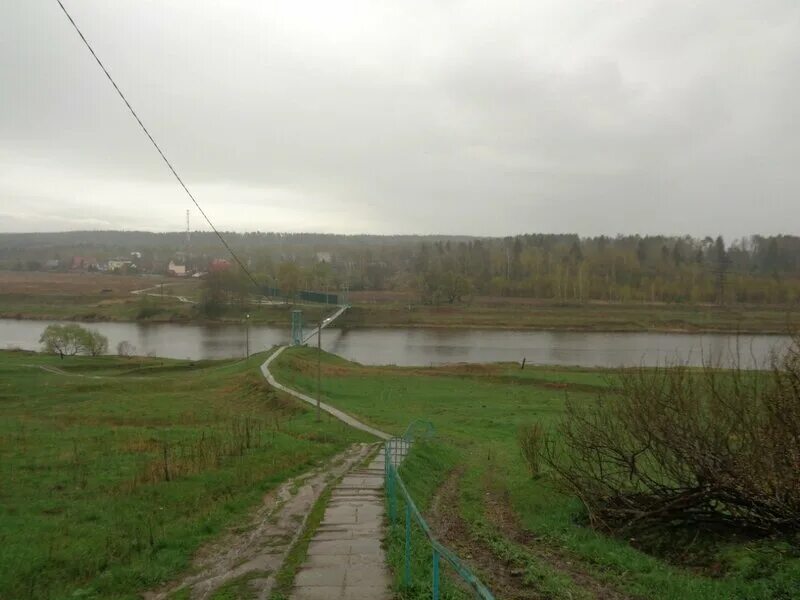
(125, 348)
(171, 461)
(531, 443)
(678, 446)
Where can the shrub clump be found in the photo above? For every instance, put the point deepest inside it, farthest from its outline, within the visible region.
(531, 443)
(72, 339)
(680, 447)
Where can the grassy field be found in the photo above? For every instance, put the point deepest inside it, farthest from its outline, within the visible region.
(114, 471)
(101, 297)
(528, 524)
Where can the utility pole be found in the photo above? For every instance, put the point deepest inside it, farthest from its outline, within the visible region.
(319, 358)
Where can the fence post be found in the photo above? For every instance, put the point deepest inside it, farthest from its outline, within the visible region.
(393, 496)
(435, 574)
(386, 467)
(407, 570)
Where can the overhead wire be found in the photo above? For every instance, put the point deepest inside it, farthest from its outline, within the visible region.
(155, 144)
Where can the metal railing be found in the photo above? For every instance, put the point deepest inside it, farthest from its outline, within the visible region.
(395, 451)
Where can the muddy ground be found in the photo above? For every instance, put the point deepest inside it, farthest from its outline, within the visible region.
(257, 550)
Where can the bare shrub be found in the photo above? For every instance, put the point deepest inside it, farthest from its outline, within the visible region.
(531, 444)
(95, 343)
(125, 348)
(211, 450)
(686, 447)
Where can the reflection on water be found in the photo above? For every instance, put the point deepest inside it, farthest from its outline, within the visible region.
(409, 347)
(161, 339)
(413, 347)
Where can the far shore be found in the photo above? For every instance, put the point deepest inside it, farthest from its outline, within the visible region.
(626, 319)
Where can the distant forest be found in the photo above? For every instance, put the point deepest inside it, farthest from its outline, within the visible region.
(450, 269)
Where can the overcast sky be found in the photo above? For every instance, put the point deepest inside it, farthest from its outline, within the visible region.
(485, 118)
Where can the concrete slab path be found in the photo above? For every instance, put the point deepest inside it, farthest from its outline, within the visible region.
(342, 416)
(345, 559)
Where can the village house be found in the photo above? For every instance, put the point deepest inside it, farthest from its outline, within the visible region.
(218, 265)
(120, 265)
(83, 263)
(176, 270)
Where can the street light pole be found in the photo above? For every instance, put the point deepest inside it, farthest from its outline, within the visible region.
(247, 334)
(319, 354)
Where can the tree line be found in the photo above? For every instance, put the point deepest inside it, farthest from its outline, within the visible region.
(451, 269)
(561, 268)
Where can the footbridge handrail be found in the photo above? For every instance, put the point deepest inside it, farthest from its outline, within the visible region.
(395, 451)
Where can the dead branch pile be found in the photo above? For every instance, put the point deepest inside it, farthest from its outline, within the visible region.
(677, 447)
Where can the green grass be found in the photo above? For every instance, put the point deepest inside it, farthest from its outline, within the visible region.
(423, 472)
(109, 485)
(477, 411)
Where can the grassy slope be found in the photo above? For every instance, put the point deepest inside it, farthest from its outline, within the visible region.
(477, 410)
(84, 507)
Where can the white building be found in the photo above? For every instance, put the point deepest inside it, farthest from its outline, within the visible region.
(176, 270)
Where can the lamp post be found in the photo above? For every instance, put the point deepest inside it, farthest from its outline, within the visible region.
(247, 334)
(319, 353)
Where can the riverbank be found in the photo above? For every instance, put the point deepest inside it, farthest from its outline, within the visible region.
(538, 317)
(597, 317)
(92, 297)
(525, 535)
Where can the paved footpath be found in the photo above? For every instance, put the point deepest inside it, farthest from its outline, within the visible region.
(345, 559)
(332, 410)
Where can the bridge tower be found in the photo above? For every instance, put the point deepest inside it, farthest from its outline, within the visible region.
(297, 327)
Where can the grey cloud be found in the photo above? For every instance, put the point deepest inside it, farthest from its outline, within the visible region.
(596, 116)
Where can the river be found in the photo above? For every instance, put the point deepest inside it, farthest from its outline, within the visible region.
(425, 346)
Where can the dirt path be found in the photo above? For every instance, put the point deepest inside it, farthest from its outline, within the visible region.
(257, 551)
(160, 294)
(453, 531)
(503, 576)
(57, 371)
(500, 514)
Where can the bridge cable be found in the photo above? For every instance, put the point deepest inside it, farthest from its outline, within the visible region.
(157, 147)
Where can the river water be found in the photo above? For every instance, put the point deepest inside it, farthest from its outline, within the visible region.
(419, 347)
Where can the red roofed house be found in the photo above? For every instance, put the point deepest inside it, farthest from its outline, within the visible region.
(83, 263)
(218, 265)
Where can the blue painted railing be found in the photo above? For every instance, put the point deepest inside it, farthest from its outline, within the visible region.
(395, 450)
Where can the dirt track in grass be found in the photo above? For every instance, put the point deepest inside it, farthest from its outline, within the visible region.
(506, 578)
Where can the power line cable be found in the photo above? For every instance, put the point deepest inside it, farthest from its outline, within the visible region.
(155, 145)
